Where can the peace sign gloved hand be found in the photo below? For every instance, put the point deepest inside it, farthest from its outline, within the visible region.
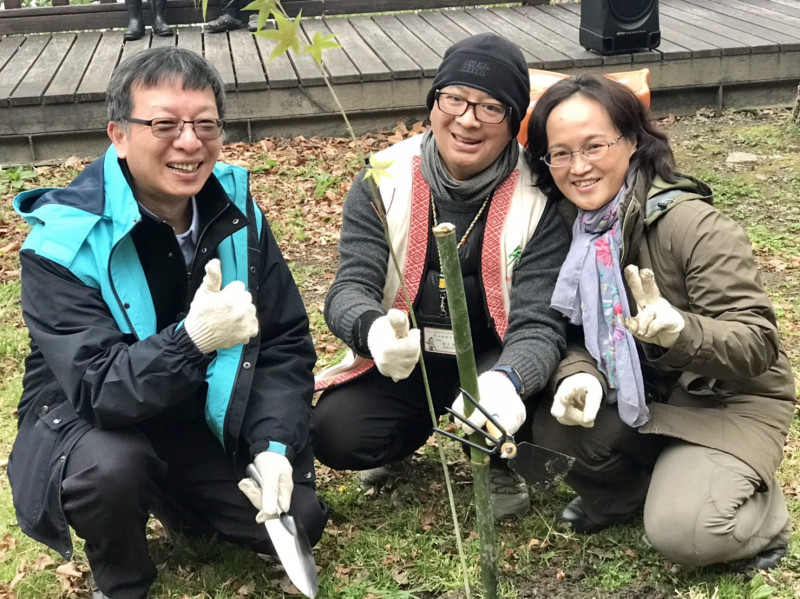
(394, 348)
(220, 318)
(577, 400)
(656, 322)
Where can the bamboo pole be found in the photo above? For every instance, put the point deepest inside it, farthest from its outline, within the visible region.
(445, 234)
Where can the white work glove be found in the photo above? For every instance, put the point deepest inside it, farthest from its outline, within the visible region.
(274, 496)
(500, 399)
(577, 400)
(656, 321)
(217, 318)
(394, 348)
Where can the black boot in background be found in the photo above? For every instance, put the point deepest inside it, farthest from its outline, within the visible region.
(160, 26)
(135, 28)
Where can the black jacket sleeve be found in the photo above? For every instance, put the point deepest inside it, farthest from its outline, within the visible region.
(112, 379)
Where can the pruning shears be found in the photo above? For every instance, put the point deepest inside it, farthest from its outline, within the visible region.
(539, 466)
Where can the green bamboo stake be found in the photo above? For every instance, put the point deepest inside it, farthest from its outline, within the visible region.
(445, 234)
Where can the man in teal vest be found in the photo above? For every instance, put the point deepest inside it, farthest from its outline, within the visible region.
(169, 344)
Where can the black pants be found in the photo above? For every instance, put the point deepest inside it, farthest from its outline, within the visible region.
(372, 421)
(613, 461)
(178, 471)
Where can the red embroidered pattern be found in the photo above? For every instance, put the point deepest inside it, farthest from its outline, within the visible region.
(491, 257)
(418, 231)
(344, 377)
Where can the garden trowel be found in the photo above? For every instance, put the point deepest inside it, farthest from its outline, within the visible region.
(541, 468)
(292, 547)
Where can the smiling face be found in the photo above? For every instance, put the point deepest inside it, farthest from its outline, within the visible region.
(466, 145)
(589, 184)
(167, 172)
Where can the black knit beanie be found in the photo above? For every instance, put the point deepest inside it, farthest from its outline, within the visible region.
(490, 63)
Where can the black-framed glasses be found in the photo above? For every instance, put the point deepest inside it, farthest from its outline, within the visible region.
(486, 112)
(166, 128)
(594, 150)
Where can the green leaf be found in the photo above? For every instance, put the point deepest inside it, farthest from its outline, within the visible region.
(320, 43)
(762, 592)
(285, 35)
(378, 169)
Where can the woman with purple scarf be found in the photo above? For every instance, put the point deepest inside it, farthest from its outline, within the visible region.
(679, 398)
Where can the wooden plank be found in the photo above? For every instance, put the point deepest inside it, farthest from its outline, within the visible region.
(157, 41)
(426, 35)
(280, 72)
(445, 26)
(395, 27)
(366, 62)
(132, 48)
(398, 62)
(190, 38)
(218, 54)
(524, 37)
(698, 39)
(246, 61)
(8, 46)
(94, 83)
(65, 83)
(561, 30)
(783, 24)
(16, 69)
(741, 32)
(32, 87)
(307, 70)
(790, 8)
(343, 66)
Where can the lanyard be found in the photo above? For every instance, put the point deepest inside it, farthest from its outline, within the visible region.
(442, 286)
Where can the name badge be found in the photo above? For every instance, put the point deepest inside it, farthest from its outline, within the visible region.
(439, 341)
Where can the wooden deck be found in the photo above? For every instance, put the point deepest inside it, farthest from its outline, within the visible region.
(715, 53)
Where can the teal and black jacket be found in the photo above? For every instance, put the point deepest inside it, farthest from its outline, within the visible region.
(104, 292)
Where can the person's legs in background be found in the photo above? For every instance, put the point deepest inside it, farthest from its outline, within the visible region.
(231, 17)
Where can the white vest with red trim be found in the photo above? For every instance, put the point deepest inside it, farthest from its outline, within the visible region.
(511, 221)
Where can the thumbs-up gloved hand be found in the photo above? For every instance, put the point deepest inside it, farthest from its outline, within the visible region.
(656, 322)
(271, 494)
(220, 318)
(394, 348)
(499, 398)
(577, 400)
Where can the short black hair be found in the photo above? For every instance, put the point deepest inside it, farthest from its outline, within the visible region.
(155, 66)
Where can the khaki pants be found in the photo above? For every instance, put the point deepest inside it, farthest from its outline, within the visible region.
(704, 506)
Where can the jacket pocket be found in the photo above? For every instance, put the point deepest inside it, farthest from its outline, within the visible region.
(37, 461)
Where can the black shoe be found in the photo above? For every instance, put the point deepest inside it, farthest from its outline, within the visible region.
(134, 31)
(252, 23)
(223, 23)
(574, 518)
(509, 495)
(769, 558)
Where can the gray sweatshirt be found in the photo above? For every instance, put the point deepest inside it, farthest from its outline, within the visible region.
(535, 340)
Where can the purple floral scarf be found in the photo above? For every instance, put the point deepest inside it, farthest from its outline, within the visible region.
(590, 292)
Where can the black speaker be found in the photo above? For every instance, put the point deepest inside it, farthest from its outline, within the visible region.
(619, 26)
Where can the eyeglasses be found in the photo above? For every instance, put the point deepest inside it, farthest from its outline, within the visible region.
(594, 150)
(204, 129)
(485, 112)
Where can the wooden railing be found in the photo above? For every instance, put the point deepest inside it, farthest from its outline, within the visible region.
(63, 16)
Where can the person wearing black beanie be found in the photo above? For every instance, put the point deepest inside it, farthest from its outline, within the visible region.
(467, 169)
(491, 64)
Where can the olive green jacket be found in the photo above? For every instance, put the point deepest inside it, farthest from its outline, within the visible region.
(726, 383)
